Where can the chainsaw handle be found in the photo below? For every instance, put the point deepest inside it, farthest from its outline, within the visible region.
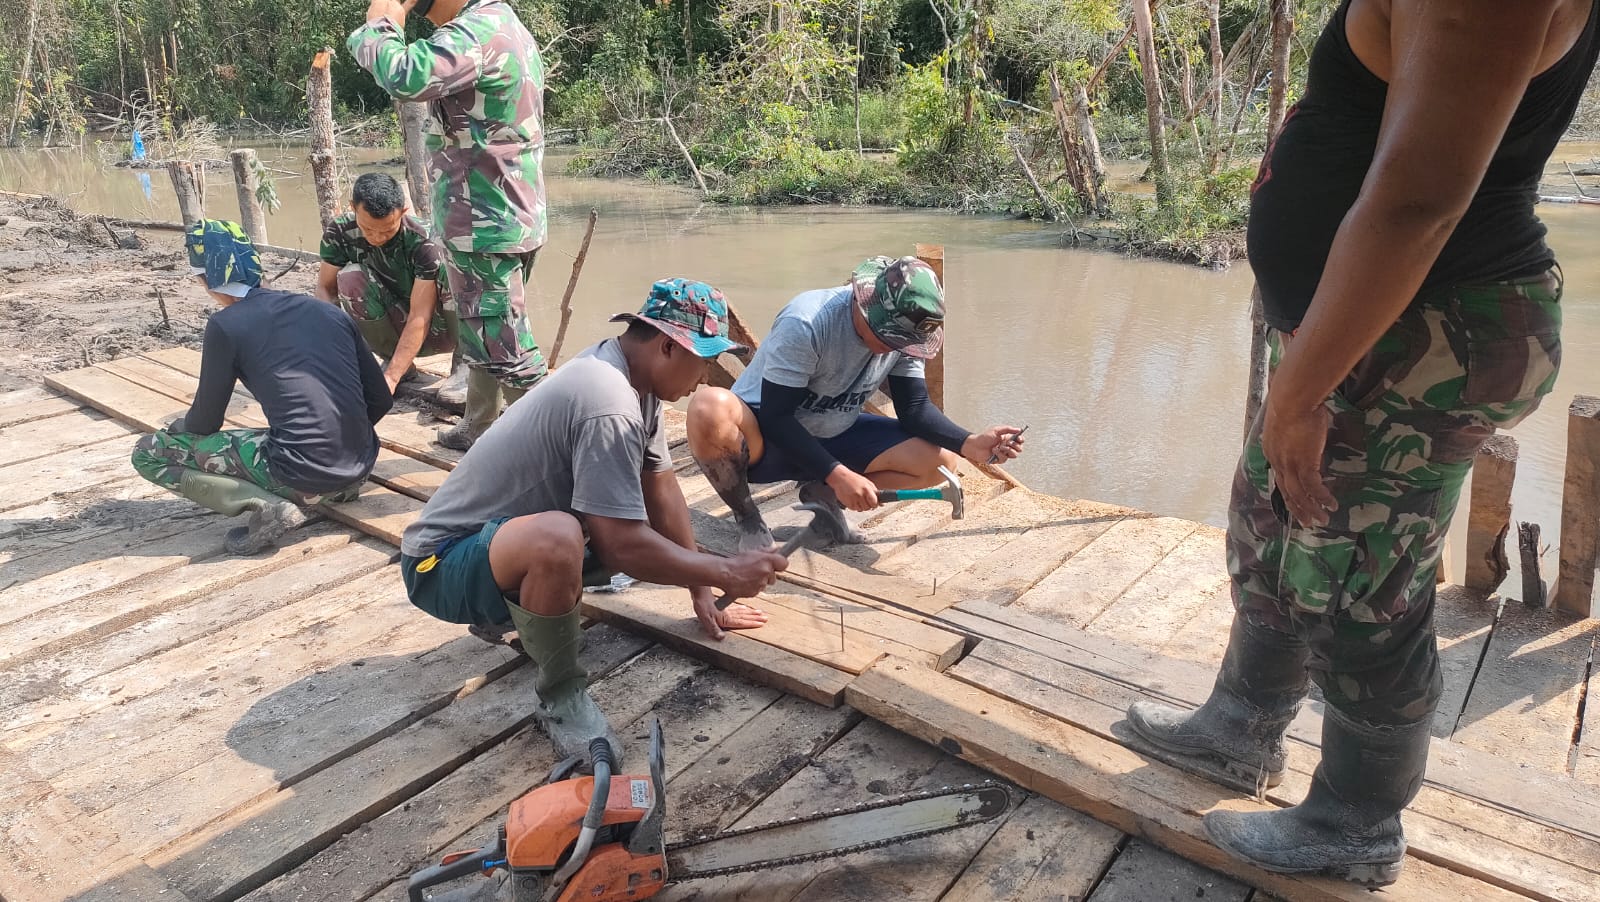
(604, 764)
(476, 863)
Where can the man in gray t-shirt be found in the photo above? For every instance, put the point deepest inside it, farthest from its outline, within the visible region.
(796, 411)
(573, 483)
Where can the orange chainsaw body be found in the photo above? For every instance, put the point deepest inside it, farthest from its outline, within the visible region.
(543, 825)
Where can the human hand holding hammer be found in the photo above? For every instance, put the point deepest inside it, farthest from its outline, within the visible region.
(745, 576)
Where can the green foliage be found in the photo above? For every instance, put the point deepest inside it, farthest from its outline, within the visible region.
(1204, 224)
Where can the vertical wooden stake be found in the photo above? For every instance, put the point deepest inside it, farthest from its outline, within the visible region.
(186, 183)
(1489, 515)
(323, 157)
(1580, 510)
(572, 285)
(413, 118)
(933, 255)
(1532, 580)
(246, 182)
(1256, 390)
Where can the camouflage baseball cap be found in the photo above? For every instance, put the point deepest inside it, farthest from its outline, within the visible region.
(221, 252)
(903, 304)
(693, 313)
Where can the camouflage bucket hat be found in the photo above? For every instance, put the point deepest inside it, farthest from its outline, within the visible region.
(903, 304)
(222, 252)
(693, 313)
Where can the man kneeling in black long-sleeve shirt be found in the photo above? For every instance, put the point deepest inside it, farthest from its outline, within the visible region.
(315, 378)
(796, 412)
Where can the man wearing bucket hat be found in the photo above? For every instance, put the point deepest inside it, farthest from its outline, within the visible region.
(574, 483)
(314, 377)
(796, 411)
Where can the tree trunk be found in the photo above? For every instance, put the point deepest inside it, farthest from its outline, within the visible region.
(413, 120)
(122, 53)
(861, 12)
(1256, 393)
(1278, 92)
(188, 185)
(1071, 151)
(27, 64)
(1214, 17)
(1155, 112)
(688, 33)
(245, 182)
(324, 169)
(1090, 142)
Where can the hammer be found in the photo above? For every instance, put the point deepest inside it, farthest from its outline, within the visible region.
(791, 546)
(950, 491)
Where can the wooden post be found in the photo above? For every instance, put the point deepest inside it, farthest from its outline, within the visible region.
(188, 184)
(1256, 393)
(1580, 510)
(324, 169)
(1489, 516)
(1282, 17)
(933, 255)
(413, 119)
(246, 182)
(1532, 581)
(572, 285)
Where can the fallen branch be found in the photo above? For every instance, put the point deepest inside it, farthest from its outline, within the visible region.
(687, 157)
(572, 285)
(1595, 201)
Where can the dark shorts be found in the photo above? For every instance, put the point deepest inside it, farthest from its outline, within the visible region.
(460, 587)
(857, 447)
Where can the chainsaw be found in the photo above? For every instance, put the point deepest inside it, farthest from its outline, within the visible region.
(603, 838)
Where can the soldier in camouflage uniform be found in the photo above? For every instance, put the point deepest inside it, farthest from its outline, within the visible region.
(1415, 310)
(483, 78)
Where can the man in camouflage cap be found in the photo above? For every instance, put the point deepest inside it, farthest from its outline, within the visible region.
(483, 78)
(796, 411)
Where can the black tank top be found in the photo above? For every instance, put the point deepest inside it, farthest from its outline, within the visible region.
(1313, 172)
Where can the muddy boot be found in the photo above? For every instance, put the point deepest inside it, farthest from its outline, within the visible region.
(483, 408)
(730, 476)
(380, 335)
(451, 391)
(566, 711)
(511, 395)
(270, 515)
(1236, 737)
(833, 525)
(1348, 827)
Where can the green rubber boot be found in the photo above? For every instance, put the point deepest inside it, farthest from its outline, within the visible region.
(1348, 827)
(451, 391)
(568, 714)
(483, 408)
(270, 515)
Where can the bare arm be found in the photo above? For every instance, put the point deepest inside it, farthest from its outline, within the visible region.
(1459, 69)
(637, 549)
(328, 282)
(424, 294)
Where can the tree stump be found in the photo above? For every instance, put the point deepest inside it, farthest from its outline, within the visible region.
(1580, 510)
(1489, 516)
(246, 183)
(323, 156)
(189, 184)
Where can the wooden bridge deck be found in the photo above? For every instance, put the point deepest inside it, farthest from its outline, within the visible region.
(182, 724)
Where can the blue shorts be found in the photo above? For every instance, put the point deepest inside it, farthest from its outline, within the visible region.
(857, 447)
(460, 587)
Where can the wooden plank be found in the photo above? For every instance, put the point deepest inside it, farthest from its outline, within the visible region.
(1102, 779)
(1007, 573)
(1586, 760)
(1524, 703)
(1163, 600)
(1095, 577)
(81, 468)
(1573, 591)
(886, 631)
(379, 512)
(63, 432)
(1489, 517)
(1204, 638)
(1043, 851)
(249, 847)
(664, 615)
(34, 403)
(1447, 831)
(70, 517)
(1144, 873)
(146, 410)
(960, 543)
(1463, 620)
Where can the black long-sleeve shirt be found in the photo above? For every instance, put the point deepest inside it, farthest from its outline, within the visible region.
(919, 417)
(314, 376)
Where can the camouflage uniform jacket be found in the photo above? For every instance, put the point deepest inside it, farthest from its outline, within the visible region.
(483, 80)
(409, 255)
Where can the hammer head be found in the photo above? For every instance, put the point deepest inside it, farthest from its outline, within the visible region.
(951, 492)
(817, 527)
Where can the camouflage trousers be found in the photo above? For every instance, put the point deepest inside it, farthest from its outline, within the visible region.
(241, 453)
(495, 335)
(1406, 423)
(382, 316)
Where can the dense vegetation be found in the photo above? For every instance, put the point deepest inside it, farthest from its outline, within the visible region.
(924, 102)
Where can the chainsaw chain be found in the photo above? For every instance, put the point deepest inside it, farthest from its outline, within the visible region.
(886, 802)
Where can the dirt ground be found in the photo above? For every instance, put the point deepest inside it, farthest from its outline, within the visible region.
(73, 292)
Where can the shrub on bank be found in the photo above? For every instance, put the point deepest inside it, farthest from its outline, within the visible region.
(1204, 223)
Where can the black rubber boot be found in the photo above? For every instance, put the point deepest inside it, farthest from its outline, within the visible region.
(730, 476)
(1348, 827)
(838, 529)
(1236, 737)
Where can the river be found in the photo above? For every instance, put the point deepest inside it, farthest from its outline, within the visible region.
(1130, 372)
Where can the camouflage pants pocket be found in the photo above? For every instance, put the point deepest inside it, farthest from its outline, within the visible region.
(240, 453)
(494, 331)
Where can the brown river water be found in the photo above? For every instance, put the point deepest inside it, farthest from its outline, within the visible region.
(1130, 372)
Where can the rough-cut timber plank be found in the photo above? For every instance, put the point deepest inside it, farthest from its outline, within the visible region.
(1463, 620)
(261, 841)
(379, 512)
(1102, 779)
(1095, 577)
(146, 410)
(1489, 517)
(1143, 873)
(28, 404)
(1475, 840)
(1204, 638)
(1453, 767)
(1162, 601)
(1043, 851)
(71, 517)
(1573, 591)
(664, 615)
(1526, 696)
(42, 438)
(1002, 576)
(888, 632)
(32, 482)
(962, 542)
(1586, 763)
